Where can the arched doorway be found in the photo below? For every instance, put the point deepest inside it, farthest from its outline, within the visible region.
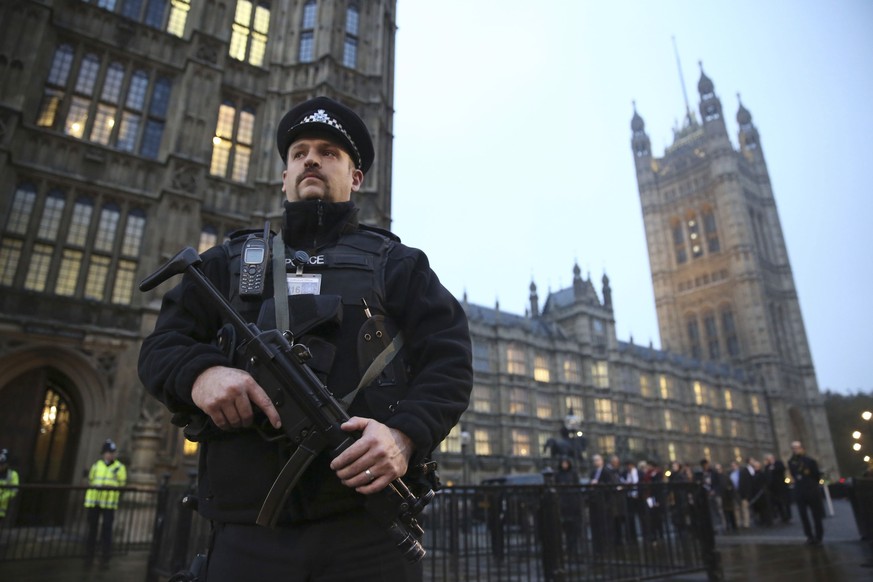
(40, 423)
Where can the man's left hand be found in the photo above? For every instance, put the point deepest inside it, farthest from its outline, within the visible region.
(380, 456)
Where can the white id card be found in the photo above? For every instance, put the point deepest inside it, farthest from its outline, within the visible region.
(307, 284)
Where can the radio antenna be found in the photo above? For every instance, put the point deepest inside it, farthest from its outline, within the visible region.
(688, 117)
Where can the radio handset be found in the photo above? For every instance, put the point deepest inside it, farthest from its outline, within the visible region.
(253, 266)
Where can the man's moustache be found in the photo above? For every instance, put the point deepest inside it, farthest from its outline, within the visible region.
(310, 174)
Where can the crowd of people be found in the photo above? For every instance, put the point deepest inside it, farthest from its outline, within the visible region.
(740, 495)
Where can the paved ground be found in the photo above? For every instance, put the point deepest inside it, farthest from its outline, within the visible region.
(776, 554)
(780, 553)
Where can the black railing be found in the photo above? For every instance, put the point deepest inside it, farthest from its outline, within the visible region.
(50, 521)
(495, 533)
(562, 533)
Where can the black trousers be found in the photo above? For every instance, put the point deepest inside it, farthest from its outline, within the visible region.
(350, 547)
(816, 508)
(94, 514)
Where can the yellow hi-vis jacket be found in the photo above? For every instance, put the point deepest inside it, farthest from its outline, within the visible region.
(8, 490)
(103, 475)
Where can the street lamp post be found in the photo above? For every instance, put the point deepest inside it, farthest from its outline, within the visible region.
(465, 442)
(860, 435)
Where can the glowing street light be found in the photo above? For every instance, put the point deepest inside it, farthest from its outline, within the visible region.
(857, 446)
(856, 435)
(867, 415)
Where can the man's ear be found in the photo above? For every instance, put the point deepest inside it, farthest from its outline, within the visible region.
(357, 179)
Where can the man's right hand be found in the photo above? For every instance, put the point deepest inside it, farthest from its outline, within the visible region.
(226, 395)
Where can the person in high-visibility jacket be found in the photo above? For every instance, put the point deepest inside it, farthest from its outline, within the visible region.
(8, 483)
(107, 472)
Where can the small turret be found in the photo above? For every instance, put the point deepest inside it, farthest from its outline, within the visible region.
(534, 301)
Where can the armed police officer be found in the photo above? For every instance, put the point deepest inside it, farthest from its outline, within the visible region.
(807, 492)
(385, 336)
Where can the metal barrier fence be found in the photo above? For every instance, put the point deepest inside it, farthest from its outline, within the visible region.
(51, 521)
(496, 533)
(562, 533)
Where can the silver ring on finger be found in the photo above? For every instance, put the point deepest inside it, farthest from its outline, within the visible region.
(370, 475)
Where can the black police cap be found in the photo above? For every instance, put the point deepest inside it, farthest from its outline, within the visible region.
(324, 114)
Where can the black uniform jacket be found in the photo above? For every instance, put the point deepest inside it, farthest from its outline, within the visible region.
(237, 468)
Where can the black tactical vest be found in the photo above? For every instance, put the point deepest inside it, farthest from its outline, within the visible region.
(334, 324)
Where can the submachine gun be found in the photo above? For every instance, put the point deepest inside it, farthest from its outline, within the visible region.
(311, 416)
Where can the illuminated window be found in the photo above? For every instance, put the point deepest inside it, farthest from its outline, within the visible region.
(232, 144)
(108, 102)
(600, 374)
(728, 399)
(735, 428)
(521, 443)
(98, 271)
(705, 424)
(603, 410)
(515, 360)
(482, 442)
(10, 256)
(89, 259)
(698, 394)
(541, 369)
(452, 442)
(645, 386)
(248, 39)
(756, 407)
(738, 454)
(483, 399)
(606, 444)
(160, 14)
(38, 266)
(570, 369)
(519, 401)
(68, 276)
(668, 420)
(545, 406)
(671, 451)
(125, 273)
(665, 387)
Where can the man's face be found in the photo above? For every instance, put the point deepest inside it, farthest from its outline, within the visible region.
(319, 169)
(597, 460)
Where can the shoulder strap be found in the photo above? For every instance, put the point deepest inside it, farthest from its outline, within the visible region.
(376, 366)
(280, 285)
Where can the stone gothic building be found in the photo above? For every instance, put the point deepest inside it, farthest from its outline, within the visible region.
(130, 129)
